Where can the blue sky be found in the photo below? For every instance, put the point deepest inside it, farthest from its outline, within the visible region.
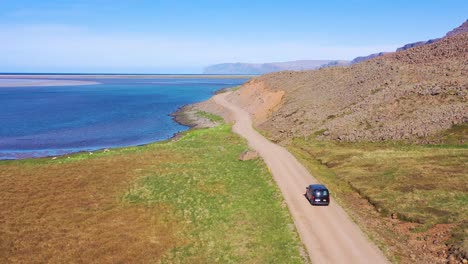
(139, 36)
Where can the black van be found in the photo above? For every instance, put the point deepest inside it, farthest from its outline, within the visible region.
(317, 194)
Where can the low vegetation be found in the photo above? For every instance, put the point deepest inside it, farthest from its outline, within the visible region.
(186, 201)
(213, 118)
(423, 184)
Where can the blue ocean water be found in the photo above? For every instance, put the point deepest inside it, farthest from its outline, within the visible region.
(56, 120)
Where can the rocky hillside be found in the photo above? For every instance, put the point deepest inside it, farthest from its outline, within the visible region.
(407, 95)
(463, 28)
(417, 44)
(252, 68)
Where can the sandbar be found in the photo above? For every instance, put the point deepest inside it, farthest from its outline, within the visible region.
(125, 76)
(10, 82)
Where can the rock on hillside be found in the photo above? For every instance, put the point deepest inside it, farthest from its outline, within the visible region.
(407, 95)
(252, 68)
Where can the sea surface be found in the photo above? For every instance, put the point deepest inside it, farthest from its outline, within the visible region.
(57, 120)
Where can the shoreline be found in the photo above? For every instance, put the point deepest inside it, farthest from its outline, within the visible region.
(187, 115)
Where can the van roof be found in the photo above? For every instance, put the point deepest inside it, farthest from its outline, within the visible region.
(317, 186)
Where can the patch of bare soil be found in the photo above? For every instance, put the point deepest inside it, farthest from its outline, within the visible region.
(259, 101)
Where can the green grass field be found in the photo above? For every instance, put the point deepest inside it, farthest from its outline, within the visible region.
(232, 209)
(186, 201)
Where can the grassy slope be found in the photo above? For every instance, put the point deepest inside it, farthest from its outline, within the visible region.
(427, 184)
(185, 201)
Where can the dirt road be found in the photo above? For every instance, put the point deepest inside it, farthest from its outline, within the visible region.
(328, 233)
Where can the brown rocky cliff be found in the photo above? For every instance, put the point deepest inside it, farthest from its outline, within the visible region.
(258, 100)
(407, 95)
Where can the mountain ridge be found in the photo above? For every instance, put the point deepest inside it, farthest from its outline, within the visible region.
(264, 68)
(463, 28)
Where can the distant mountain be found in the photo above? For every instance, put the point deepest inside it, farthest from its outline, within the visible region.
(463, 28)
(252, 68)
(335, 63)
(368, 57)
(417, 44)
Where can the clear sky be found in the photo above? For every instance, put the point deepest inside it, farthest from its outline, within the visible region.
(177, 36)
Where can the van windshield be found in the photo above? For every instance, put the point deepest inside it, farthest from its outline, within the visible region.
(321, 192)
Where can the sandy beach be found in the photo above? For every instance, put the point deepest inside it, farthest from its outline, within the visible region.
(10, 82)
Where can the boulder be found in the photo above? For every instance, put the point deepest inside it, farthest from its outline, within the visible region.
(248, 155)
